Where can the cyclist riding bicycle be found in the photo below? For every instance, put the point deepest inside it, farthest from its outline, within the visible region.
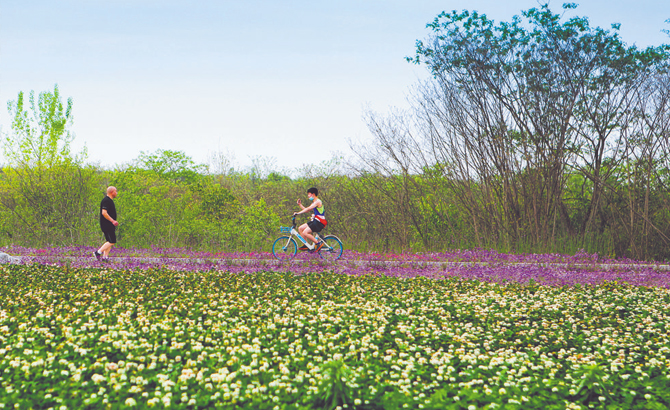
(316, 223)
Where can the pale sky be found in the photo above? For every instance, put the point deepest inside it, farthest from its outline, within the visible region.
(287, 81)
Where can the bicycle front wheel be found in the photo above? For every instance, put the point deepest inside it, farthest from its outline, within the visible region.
(284, 248)
(332, 249)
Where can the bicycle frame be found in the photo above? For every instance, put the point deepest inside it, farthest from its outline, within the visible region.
(286, 247)
(293, 232)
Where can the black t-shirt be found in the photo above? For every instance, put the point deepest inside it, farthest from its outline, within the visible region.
(108, 204)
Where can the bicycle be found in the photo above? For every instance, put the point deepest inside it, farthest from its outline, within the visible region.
(285, 247)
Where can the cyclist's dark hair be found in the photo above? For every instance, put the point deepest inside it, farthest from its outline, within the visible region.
(313, 191)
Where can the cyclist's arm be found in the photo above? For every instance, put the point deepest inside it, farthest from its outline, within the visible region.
(309, 208)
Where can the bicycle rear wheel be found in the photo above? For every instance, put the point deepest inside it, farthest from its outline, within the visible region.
(284, 248)
(332, 249)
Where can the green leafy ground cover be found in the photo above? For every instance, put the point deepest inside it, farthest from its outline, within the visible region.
(86, 338)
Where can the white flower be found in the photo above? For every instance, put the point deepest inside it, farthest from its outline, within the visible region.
(130, 402)
(186, 374)
(97, 378)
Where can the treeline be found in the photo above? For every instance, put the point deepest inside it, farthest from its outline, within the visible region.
(184, 207)
(165, 200)
(536, 135)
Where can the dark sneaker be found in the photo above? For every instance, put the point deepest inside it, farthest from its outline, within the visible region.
(98, 256)
(319, 246)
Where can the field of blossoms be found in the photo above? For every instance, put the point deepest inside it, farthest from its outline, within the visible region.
(460, 330)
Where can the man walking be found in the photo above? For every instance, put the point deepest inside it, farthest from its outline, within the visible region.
(108, 223)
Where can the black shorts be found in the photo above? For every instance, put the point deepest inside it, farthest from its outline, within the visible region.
(110, 235)
(315, 225)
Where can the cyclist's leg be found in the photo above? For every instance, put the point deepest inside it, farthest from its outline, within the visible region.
(312, 226)
(307, 234)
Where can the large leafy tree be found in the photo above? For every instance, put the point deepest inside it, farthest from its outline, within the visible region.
(40, 134)
(46, 193)
(513, 107)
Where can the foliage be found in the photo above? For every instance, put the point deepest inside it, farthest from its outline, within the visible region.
(173, 165)
(512, 112)
(151, 207)
(45, 190)
(40, 136)
(166, 201)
